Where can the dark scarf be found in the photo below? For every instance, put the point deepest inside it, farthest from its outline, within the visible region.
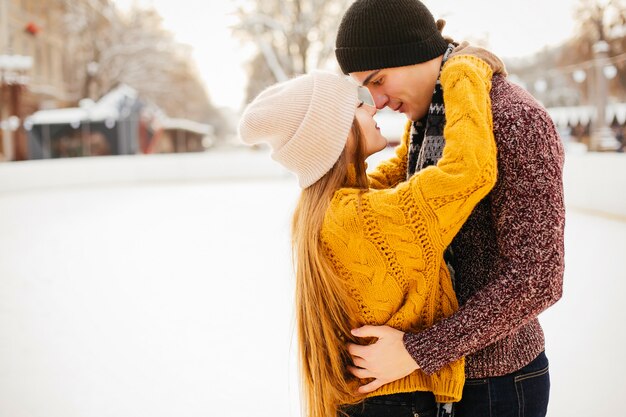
(426, 149)
(427, 143)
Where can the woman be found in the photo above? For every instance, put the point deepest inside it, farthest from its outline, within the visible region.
(370, 250)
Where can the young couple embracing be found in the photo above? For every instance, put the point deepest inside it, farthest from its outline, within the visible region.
(419, 283)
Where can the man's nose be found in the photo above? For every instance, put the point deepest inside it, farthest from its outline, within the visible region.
(380, 100)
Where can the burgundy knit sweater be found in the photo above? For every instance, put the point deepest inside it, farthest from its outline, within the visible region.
(509, 254)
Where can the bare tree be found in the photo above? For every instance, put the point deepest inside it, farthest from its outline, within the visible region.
(564, 75)
(260, 76)
(599, 20)
(292, 36)
(109, 49)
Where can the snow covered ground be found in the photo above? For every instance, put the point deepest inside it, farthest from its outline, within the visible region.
(174, 298)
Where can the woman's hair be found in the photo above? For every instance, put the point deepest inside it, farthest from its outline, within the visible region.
(325, 312)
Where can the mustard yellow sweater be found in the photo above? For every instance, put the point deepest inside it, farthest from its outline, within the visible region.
(387, 242)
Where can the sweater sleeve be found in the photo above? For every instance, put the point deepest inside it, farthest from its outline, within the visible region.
(528, 214)
(391, 172)
(449, 191)
(467, 170)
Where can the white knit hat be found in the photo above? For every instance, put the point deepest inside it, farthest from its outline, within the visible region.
(306, 122)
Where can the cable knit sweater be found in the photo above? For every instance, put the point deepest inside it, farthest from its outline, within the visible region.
(509, 255)
(387, 245)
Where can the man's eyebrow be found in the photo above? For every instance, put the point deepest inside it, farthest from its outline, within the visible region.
(367, 80)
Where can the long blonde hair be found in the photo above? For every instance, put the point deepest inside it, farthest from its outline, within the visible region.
(325, 312)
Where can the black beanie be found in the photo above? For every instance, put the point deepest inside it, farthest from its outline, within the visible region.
(377, 34)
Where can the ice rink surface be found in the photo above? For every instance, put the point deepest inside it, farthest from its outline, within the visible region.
(174, 298)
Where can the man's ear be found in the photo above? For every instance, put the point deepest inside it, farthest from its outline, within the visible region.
(440, 25)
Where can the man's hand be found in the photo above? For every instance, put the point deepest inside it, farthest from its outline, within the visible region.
(386, 360)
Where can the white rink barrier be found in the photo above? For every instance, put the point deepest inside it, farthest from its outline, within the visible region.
(228, 164)
(594, 182)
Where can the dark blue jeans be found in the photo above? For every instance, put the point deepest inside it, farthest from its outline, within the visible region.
(524, 393)
(410, 404)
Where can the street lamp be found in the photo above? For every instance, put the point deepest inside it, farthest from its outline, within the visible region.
(579, 76)
(610, 71)
(602, 138)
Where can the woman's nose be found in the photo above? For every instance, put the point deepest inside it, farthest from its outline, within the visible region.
(371, 109)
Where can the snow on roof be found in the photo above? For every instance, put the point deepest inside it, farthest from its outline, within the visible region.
(617, 111)
(58, 116)
(110, 104)
(188, 125)
(564, 116)
(571, 116)
(107, 108)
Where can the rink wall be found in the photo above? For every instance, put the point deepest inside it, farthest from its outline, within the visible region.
(228, 164)
(594, 182)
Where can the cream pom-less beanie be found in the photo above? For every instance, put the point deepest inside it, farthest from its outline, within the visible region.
(305, 120)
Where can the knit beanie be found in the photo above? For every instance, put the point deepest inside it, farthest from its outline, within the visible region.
(378, 34)
(305, 121)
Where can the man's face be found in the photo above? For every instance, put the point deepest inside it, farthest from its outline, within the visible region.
(407, 90)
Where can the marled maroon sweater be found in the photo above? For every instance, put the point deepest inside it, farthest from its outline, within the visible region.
(509, 253)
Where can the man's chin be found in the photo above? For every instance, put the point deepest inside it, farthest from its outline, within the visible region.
(410, 116)
(408, 113)
(413, 117)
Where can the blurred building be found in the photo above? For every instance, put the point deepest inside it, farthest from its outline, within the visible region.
(59, 59)
(32, 62)
(120, 123)
(181, 135)
(586, 98)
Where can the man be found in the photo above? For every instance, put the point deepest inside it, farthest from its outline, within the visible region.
(507, 260)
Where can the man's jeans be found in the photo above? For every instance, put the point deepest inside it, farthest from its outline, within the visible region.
(409, 404)
(524, 393)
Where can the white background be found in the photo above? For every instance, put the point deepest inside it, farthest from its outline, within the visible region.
(174, 298)
(512, 29)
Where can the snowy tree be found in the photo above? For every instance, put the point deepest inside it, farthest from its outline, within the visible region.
(109, 49)
(292, 37)
(88, 26)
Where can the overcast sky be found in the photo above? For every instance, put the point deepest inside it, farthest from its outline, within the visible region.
(513, 28)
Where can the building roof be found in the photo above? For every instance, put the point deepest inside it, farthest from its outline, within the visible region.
(583, 115)
(188, 125)
(110, 107)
